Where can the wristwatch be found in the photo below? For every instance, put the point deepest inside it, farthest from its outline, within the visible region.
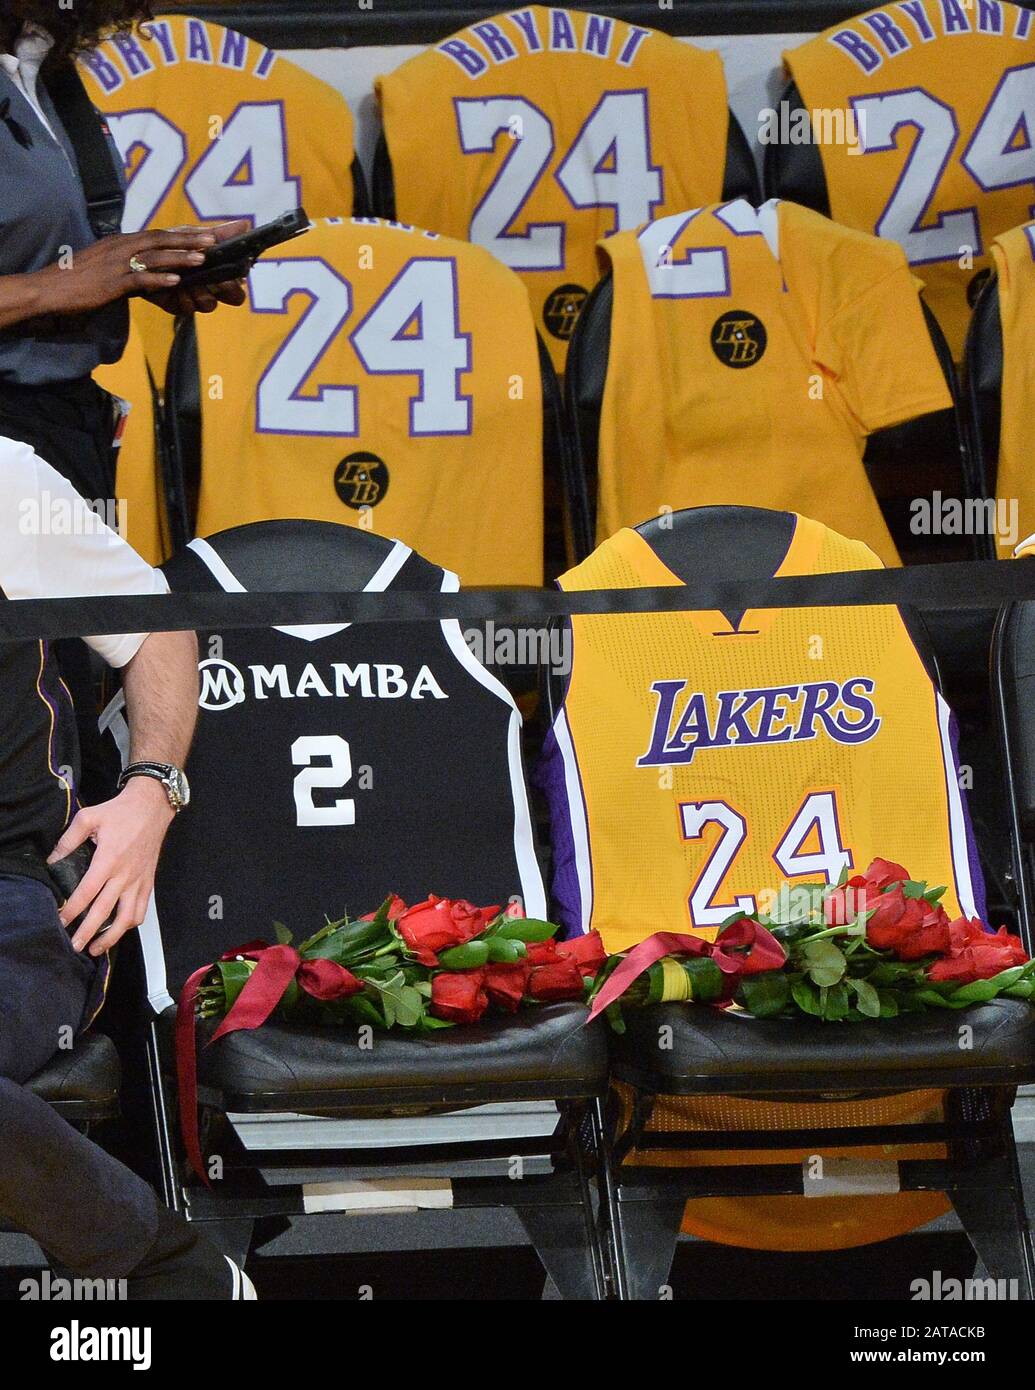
(172, 778)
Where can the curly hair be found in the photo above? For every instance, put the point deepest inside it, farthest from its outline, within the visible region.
(75, 28)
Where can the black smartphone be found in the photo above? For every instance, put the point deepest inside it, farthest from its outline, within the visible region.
(233, 259)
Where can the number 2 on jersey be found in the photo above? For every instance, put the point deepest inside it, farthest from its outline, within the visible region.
(709, 906)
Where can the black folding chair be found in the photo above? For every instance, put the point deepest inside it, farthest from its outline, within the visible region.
(709, 1054)
(539, 1055)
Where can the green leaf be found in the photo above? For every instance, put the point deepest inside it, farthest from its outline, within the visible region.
(867, 1000)
(833, 1002)
(806, 996)
(765, 995)
(527, 929)
(824, 962)
(933, 894)
(284, 937)
(913, 888)
(469, 956)
(888, 1003)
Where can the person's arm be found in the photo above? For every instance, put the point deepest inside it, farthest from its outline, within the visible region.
(161, 685)
(101, 273)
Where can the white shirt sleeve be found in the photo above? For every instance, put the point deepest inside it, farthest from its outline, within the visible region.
(54, 545)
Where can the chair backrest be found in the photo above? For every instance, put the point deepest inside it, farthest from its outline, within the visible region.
(380, 377)
(1014, 675)
(553, 128)
(334, 765)
(649, 383)
(999, 379)
(733, 751)
(213, 125)
(982, 384)
(911, 149)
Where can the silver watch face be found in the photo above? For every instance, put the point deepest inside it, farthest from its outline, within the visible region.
(178, 788)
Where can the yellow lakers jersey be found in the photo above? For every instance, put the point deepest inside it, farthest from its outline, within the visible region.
(550, 129)
(751, 354)
(386, 378)
(694, 763)
(138, 482)
(1014, 256)
(938, 97)
(214, 126)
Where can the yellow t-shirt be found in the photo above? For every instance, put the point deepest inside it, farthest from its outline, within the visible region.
(550, 129)
(943, 94)
(386, 378)
(750, 357)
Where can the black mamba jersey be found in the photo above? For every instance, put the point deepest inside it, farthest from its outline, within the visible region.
(334, 765)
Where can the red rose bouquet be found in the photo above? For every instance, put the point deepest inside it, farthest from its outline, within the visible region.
(873, 946)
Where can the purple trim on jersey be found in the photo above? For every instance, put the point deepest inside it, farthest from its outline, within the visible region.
(977, 878)
(549, 777)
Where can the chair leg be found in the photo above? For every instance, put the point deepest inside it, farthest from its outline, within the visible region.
(162, 1112)
(989, 1201)
(648, 1225)
(566, 1236)
(607, 1193)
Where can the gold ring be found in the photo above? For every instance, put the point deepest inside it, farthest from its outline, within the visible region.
(135, 263)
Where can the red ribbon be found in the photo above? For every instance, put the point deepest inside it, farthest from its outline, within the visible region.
(275, 968)
(764, 953)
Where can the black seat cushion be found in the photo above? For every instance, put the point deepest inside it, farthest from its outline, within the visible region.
(82, 1082)
(717, 1053)
(540, 1053)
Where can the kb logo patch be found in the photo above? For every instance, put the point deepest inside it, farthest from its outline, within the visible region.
(361, 480)
(738, 338)
(562, 309)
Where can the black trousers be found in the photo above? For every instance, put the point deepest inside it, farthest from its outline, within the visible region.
(71, 426)
(93, 1217)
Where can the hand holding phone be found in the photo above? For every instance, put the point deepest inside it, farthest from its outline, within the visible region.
(234, 258)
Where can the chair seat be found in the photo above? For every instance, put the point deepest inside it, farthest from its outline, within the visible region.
(717, 1052)
(539, 1053)
(82, 1083)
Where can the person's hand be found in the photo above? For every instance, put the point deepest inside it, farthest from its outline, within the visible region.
(103, 272)
(198, 299)
(202, 299)
(128, 832)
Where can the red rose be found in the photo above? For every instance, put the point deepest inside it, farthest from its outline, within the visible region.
(931, 937)
(459, 998)
(437, 923)
(981, 959)
(963, 931)
(883, 872)
(560, 980)
(542, 952)
(587, 951)
(472, 920)
(880, 929)
(848, 903)
(505, 983)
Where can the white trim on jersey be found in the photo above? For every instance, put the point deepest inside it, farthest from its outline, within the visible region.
(533, 891)
(958, 837)
(311, 632)
(577, 818)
